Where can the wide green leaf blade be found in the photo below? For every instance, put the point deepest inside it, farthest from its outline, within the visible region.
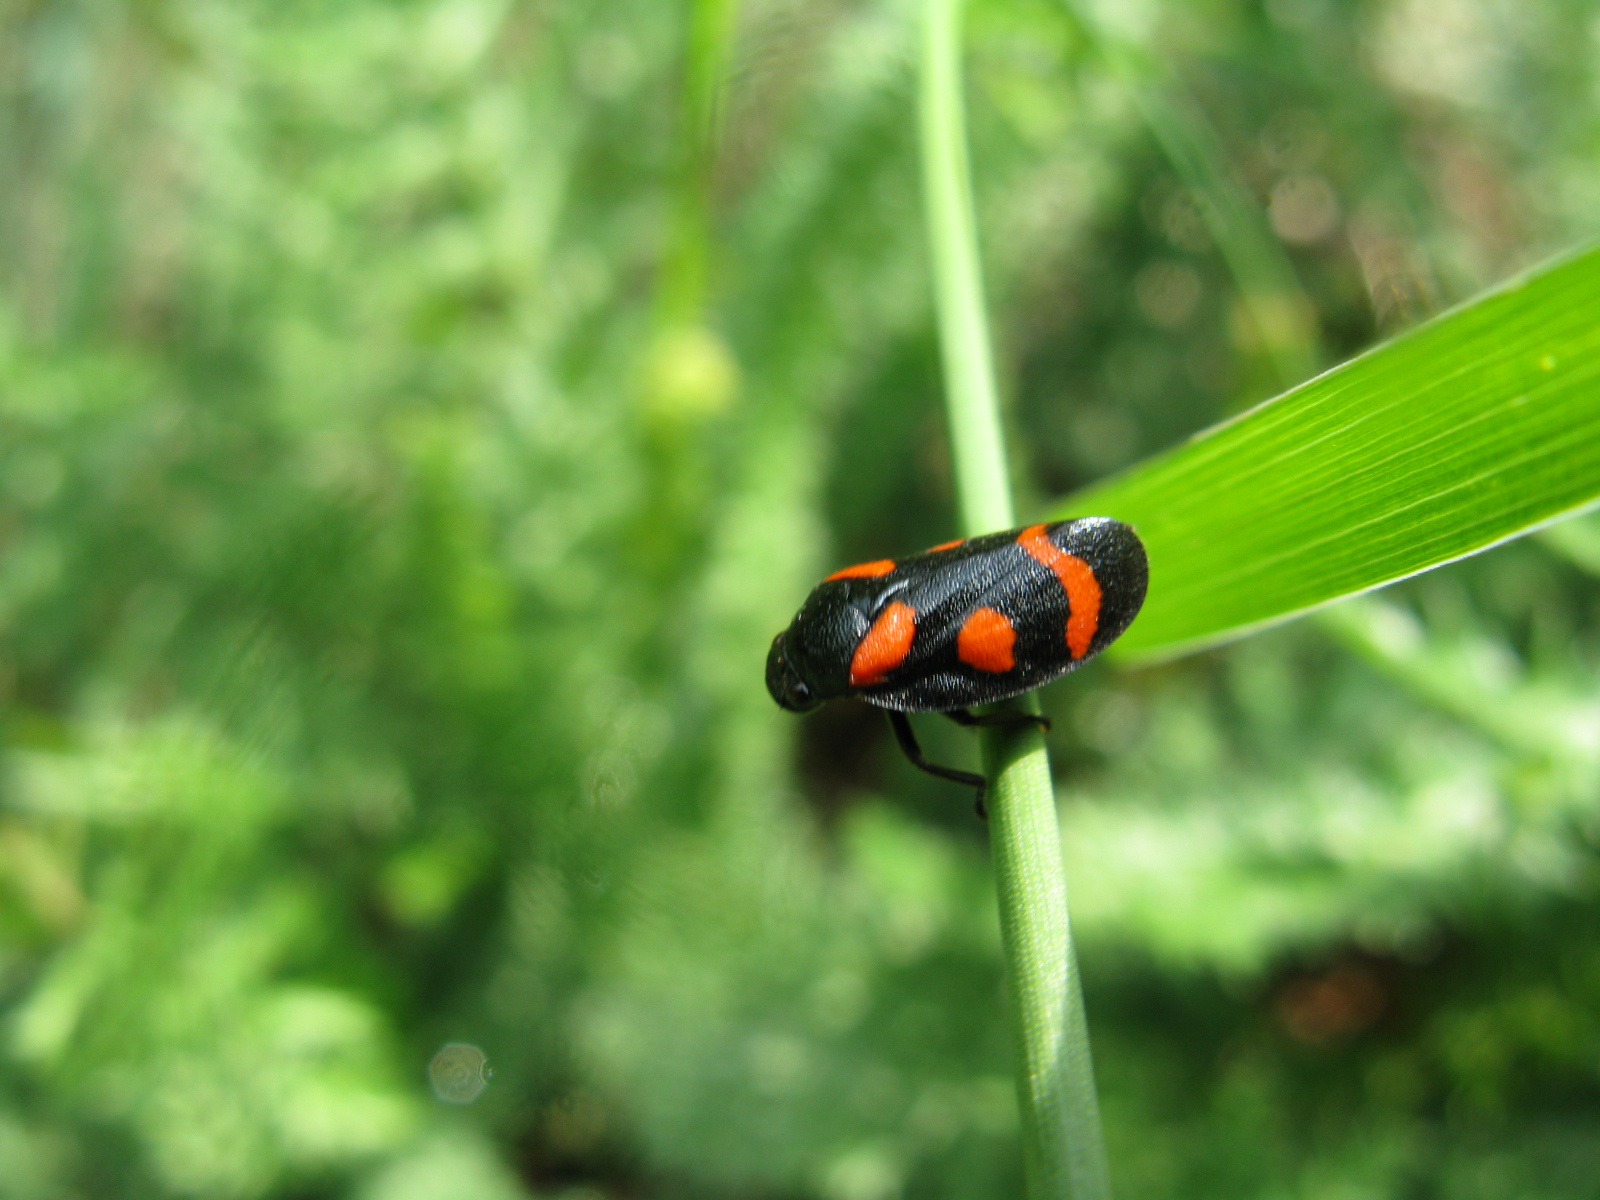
(1470, 429)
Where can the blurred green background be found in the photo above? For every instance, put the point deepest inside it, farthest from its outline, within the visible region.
(417, 418)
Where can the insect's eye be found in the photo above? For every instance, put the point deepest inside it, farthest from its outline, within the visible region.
(784, 682)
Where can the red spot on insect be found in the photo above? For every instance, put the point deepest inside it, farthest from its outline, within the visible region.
(986, 640)
(864, 570)
(1077, 577)
(944, 546)
(885, 646)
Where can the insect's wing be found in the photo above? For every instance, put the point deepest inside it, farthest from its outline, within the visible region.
(949, 587)
(1004, 614)
(980, 609)
(1115, 558)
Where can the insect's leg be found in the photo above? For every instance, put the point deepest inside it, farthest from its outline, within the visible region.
(1010, 717)
(908, 744)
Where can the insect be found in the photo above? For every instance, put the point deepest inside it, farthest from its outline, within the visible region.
(965, 623)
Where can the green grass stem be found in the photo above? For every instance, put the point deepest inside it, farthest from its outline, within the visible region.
(1062, 1144)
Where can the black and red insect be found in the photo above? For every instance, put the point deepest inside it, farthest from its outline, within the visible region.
(966, 623)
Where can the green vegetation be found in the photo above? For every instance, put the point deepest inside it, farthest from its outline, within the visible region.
(415, 420)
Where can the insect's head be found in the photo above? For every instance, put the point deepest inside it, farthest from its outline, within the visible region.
(785, 682)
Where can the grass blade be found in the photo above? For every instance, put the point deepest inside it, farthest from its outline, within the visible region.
(1480, 425)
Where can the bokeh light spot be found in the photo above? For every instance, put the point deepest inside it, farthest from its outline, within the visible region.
(459, 1073)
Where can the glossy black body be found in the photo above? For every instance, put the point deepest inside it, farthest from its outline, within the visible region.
(810, 661)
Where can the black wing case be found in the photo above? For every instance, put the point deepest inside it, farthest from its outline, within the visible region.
(1032, 578)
